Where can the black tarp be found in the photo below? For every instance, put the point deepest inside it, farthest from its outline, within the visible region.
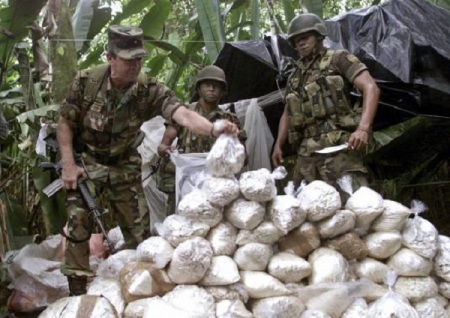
(405, 44)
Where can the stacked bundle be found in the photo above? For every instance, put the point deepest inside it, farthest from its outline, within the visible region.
(237, 249)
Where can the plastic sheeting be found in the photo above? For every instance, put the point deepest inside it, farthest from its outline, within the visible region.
(405, 44)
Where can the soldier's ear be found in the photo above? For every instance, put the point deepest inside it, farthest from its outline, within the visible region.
(109, 56)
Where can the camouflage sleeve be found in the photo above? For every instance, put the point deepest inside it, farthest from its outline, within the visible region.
(71, 106)
(348, 65)
(164, 100)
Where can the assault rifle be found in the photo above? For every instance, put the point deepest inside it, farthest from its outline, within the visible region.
(57, 185)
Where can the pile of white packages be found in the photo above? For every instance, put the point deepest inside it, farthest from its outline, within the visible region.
(236, 248)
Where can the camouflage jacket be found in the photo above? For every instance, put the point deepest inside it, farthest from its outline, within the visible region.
(108, 122)
(318, 101)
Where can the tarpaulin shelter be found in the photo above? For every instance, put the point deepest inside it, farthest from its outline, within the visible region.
(405, 44)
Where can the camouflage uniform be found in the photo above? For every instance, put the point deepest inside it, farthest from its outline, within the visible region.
(106, 123)
(189, 142)
(320, 116)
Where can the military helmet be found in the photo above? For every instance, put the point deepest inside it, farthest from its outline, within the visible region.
(127, 42)
(212, 73)
(305, 22)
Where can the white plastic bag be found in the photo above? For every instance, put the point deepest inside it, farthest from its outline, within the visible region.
(190, 172)
(259, 137)
(227, 155)
(391, 304)
(419, 234)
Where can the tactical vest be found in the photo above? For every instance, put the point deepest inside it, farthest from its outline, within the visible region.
(317, 102)
(112, 131)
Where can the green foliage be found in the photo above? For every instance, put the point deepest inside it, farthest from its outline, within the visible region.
(153, 22)
(314, 6)
(14, 20)
(441, 3)
(212, 26)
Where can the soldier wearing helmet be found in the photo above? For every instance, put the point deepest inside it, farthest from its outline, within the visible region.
(210, 86)
(318, 112)
(104, 110)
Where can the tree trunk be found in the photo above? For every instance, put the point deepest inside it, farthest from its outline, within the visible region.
(62, 50)
(26, 79)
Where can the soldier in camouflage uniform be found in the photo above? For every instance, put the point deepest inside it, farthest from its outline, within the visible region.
(318, 113)
(103, 112)
(210, 86)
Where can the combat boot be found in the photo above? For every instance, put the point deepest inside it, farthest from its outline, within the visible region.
(77, 285)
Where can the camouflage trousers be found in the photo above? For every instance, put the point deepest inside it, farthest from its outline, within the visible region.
(165, 180)
(129, 207)
(330, 168)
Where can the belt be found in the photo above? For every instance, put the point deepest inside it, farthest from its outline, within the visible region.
(106, 158)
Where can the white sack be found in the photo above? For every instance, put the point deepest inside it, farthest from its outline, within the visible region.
(285, 212)
(232, 309)
(223, 239)
(371, 269)
(320, 200)
(392, 218)
(222, 271)
(177, 229)
(253, 256)
(381, 245)
(367, 206)
(110, 289)
(221, 191)
(196, 206)
(258, 185)
(226, 157)
(155, 250)
(262, 285)
(191, 259)
(408, 263)
(192, 299)
(245, 215)
(339, 223)
(281, 306)
(266, 233)
(328, 266)
(288, 268)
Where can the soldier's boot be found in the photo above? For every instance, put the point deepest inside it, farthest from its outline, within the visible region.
(77, 285)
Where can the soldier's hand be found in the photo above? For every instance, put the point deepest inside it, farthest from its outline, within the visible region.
(165, 150)
(70, 174)
(224, 126)
(277, 156)
(358, 139)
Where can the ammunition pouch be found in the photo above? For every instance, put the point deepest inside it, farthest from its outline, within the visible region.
(314, 94)
(296, 119)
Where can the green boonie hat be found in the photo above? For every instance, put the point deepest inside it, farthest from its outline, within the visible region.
(126, 42)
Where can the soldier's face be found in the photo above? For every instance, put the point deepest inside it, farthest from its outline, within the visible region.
(305, 43)
(126, 70)
(210, 91)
